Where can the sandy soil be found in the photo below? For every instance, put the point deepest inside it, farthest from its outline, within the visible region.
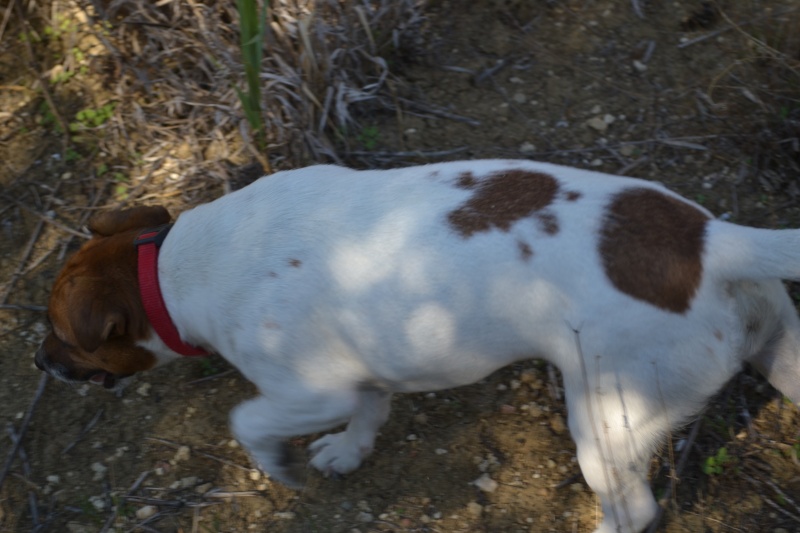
(584, 83)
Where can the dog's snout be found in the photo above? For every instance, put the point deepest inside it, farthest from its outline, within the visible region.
(39, 359)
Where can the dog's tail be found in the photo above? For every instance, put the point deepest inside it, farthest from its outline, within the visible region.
(743, 253)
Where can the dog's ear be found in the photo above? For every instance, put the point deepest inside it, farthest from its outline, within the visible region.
(112, 222)
(97, 312)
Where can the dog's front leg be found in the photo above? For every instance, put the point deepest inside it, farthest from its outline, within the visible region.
(263, 426)
(341, 453)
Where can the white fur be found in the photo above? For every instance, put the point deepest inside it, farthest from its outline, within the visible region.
(387, 297)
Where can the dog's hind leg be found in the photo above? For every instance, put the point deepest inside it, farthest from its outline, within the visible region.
(340, 453)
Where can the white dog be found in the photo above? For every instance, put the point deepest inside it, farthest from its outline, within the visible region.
(331, 289)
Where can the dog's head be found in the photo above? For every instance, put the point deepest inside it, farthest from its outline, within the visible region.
(95, 310)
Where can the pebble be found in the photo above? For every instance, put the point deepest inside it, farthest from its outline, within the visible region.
(187, 482)
(365, 517)
(99, 470)
(627, 150)
(639, 66)
(146, 512)
(520, 98)
(202, 489)
(576, 487)
(143, 389)
(557, 424)
(284, 515)
(233, 443)
(474, 509)
(255, 475)
(411, 437)
(98, 502)
(55, 480)
(528, 376)
(183, 453)
(597, 123)
(440, 451)
(527, 148)
(551, 463)
(486, 483)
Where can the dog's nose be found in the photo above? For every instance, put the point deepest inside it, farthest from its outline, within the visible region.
(37, 360)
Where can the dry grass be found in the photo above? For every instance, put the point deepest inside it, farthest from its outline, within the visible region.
(171, 70)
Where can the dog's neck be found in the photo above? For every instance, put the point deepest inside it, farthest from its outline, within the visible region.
(148, 245)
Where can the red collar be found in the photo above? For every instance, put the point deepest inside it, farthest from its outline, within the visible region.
(148, 242)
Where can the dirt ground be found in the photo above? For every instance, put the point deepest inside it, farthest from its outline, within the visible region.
(586, 83)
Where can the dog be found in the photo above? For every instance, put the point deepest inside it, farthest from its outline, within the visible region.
(332, 289)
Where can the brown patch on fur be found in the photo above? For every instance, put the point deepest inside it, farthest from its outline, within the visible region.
(295, 263)
(466, 180)
(525, 250)
(502, 199)
(548, 222)
(112, 222)
(651, 246)
(572, 196)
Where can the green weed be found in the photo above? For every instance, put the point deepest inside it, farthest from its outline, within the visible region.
(252, 39)
(719, 463)
(369, 137)
(92, 118)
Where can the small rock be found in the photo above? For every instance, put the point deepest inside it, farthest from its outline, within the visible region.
(528, 376)
(597, 123)
(202, 489)
(485, 483)
(474, 509)
(551, 464)
(440, 451)
(596, 110)
(98, 502)
(233, 443)
(55, 480)
(99, 470)
(421, 418)
(365, 517)
(508, 409)
(255, 475)
(347, 506)
(557, 424)
(609, 119)
(520, 98)
(189, 481)
(639, 66)
(576, 487)
(363, 505)
(146, 512)
(183, 453)
(627, 150)
(284, 515)
(527, 148)
(411, 437)
(143, 389)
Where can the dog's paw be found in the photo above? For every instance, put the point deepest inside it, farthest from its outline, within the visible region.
(288, 467)
(335, 454)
